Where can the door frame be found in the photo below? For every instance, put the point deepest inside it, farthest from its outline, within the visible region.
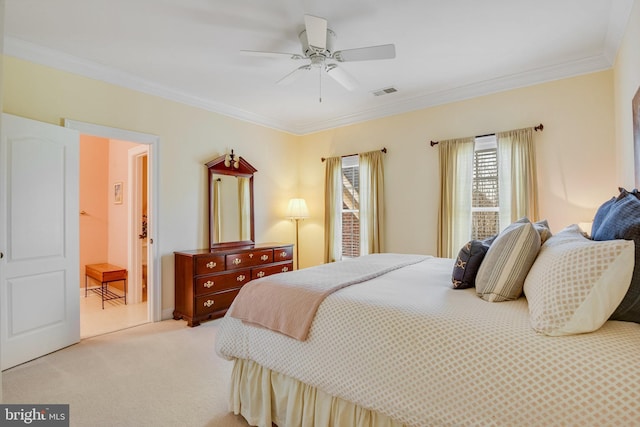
(154, 282)
(2, 7)
(134, 214)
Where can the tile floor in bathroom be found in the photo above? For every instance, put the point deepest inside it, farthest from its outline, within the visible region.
(115, 316)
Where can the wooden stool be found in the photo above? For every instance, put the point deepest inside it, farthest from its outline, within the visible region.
(105, 273)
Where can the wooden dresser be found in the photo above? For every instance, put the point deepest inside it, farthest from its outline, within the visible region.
(207, 281)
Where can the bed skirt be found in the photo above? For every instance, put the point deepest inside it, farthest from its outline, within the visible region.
(263, 397)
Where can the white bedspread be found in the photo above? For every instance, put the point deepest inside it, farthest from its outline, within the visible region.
(288, 303)
(409, 346)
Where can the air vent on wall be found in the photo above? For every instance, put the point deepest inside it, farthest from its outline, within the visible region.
(384, 91)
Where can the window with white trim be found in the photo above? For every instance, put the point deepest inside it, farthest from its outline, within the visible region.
(350, 207)
(485, 205)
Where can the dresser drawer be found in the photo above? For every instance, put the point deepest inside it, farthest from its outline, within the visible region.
(249, 259)
(215, 302)
(209, 264)
(283, 254)
(207, 280)
(221, 282)
(258, 272)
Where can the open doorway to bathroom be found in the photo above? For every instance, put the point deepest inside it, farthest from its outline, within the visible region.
(114, 221)
(120, 196)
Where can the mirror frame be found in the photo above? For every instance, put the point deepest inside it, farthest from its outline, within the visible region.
(217, 167)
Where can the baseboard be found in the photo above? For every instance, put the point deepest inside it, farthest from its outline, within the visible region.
(167, 314)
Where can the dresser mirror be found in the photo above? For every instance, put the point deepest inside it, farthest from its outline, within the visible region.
(230, 197)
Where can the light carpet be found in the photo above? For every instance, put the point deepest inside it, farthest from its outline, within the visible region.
(157, 374)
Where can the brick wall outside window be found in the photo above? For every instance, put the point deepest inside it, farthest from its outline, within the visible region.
(350, 207)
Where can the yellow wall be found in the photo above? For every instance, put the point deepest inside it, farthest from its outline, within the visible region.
(627, 81)
(575, 154)
(189, 137)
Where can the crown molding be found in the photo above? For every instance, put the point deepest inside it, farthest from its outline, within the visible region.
(472, 90)
(62, 61)
(598, 62)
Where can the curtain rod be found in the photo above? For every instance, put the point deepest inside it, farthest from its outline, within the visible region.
(536, 128)
(384, 150)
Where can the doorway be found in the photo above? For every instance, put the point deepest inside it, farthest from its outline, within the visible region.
(125, 219)
(113, 222)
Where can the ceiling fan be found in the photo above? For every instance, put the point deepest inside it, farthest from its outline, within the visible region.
(317, 48)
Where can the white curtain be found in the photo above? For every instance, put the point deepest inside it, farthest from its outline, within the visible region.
(456, 175)
(518, 182)
(244, 204)
(333, 210)
(216, 233)
(371, 202)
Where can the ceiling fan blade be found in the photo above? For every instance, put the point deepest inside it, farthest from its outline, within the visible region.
(293, 76)
(316, 31)
(271, 54)
(341, 76)
(385, 51)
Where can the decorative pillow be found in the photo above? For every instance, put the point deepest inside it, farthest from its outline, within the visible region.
(601, 214)
(623, 222)
(635, 192)
(468, 262)
(576, 283)
(507, 262)
(542, 227)
(604, 209)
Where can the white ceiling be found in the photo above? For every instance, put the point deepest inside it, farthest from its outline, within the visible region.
(188, 50)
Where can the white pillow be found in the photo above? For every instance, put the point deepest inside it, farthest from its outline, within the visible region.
(575, 283)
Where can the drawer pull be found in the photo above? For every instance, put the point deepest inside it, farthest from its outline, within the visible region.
(240, 278)
(264, 257)
(208, 303)
(251, 255)
(211, 264)
(237, 261)
(283, 254)
(285, 269)
(260, 274)
(208, 284)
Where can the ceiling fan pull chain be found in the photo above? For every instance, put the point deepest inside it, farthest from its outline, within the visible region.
(320, 77)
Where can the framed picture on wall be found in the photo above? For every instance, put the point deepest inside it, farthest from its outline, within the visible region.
(636, 136)
(117, 193)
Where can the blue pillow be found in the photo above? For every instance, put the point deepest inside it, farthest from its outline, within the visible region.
(623, 222)
(604, 209)
(468, 262)
(601, 214)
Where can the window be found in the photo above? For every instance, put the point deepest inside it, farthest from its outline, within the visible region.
(485, 205)
(350, 207)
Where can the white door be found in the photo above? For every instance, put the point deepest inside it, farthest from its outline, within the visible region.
(39, 226)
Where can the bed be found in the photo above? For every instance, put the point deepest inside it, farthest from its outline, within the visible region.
(404, 348)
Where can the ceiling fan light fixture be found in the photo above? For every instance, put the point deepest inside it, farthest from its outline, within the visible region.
(317, 47)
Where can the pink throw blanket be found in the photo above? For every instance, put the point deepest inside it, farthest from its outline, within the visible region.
(287, 303)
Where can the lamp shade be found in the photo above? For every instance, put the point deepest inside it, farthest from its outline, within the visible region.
(297, 209)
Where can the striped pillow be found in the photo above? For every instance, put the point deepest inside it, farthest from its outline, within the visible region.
(507, 263)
